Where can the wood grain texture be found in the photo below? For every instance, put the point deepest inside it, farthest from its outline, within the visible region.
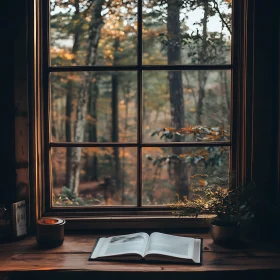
(24, 256)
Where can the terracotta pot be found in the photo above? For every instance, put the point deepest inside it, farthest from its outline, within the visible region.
(225, 235)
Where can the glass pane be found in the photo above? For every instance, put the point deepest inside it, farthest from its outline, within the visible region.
(93, 32)
(93, 106)
(94, 176)
(171, 171)
(186, 32)
(198, 101)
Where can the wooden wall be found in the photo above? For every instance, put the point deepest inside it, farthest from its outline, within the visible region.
(14, 185)
(21, 104)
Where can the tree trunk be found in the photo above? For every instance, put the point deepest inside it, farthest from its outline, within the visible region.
(176, 89)
(126, 90)
(54, 123)
(201, 96)
(69, 96)
(115, 119)
(68, 137)
(93, 40)
(92, 163)
(54, 135)
(202, 74)
(224, 82)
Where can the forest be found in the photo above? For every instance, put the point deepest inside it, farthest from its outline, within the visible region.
(181, 107)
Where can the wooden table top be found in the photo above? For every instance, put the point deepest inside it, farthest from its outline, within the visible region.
(73, 255)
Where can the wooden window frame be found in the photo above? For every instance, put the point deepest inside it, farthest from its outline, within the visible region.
(146, 217)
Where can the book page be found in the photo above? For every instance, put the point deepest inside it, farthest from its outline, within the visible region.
(197, 251)
(170, 245)
(135, 243)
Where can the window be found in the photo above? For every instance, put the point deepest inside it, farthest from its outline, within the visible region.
(137, 100)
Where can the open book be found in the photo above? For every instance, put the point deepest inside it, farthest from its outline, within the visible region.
(154, 247)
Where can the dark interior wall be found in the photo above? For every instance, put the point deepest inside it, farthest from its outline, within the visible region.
(265, 96)
(20, 62)
(7, 184)
(14, 97)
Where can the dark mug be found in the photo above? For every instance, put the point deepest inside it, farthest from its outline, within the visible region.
(50, 232)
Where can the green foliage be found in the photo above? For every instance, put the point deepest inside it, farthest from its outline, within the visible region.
(201, 132)
(68, 198)
(210, 156)
(230, 205)
(203, 48)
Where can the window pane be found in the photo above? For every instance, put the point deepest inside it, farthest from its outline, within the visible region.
(186, 32)
(93, 32)
(94, 176)
(198, 101)
(93, 106)
(170, 171)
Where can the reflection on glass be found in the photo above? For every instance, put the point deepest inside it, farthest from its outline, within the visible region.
(187, 99)
(186, 32)
(170, 171)
(93, 176)
(93, 106)
(93, 32)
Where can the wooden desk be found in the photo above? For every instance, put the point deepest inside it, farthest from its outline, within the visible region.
(71, 259)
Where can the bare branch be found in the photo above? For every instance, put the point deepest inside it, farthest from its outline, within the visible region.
(216, 7)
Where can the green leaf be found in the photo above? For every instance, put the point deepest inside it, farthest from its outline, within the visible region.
(154, 133)
(155, 162)
(174, 157)
(170, 135)
(162, 159)
(149, 157)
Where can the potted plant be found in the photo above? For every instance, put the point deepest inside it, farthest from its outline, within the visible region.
(225, 226)
(230, 206)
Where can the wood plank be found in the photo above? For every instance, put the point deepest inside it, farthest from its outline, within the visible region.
(79, 262)
(73, 256)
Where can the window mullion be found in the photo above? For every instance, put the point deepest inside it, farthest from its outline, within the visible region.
(139, 105)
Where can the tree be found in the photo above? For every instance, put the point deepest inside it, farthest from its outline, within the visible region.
(115, 118)
(93, 40)
(69, 96)
(202, 75)
(92, 161)
(176, 88)
(202, 47)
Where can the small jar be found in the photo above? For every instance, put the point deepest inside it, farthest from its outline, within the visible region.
(50, 232)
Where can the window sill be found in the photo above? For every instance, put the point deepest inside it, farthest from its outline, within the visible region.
(134, 222)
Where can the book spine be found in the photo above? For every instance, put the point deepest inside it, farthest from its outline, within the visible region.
(201, 251)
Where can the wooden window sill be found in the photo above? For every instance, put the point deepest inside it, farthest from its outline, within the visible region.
(137, 222)
(24, 256)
